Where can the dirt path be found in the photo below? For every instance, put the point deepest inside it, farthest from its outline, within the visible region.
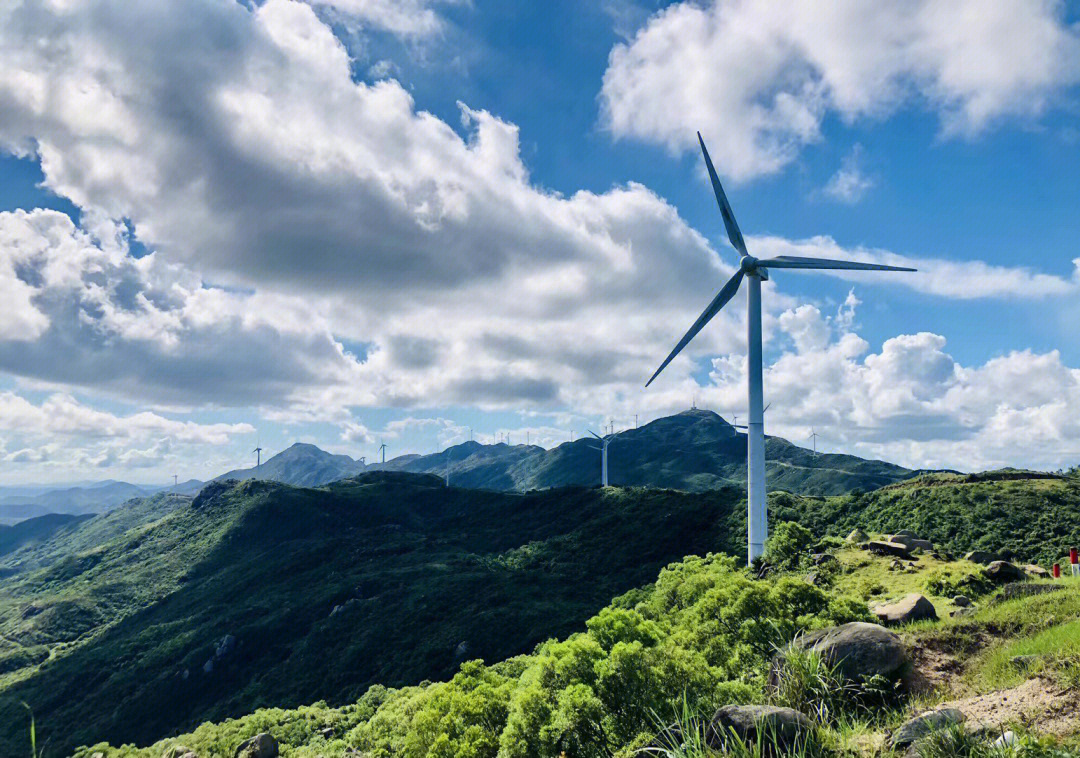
(1038, 703)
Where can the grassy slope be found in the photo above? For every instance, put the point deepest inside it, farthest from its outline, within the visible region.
(267, 563)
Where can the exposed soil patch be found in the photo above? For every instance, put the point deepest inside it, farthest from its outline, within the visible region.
(1038, 703)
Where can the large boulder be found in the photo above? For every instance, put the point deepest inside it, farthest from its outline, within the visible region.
(982, 556)
(910, 541)
(1036, 571)
(922, 725)
(260, 746)
(1003, 572)
(177, 751)
(882, 547)
(961, 601)
(914, 607)
(857, 650)
(782, 728)
(857, 535)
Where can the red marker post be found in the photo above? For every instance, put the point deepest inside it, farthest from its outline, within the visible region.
(1057, 571)
(1073, 561)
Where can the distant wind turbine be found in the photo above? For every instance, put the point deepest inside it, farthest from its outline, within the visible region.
(754, 271)
(258, 456)
(382, 449)
(604, 442)
(814, 435)
(175, 480)
(363, 460)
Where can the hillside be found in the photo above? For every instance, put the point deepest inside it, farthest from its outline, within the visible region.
(666, 656)
(421, 577)
(1028, 514)
(33, 532)
(695, 450)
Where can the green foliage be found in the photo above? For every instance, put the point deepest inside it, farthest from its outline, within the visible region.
(951, 580)
(958, 742)
(788, 547)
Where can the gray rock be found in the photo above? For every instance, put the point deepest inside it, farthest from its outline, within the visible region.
(461, 650)
(1001, 572)
(982, 556)
(1023, 661)
(910, 541)
(820, 559)
(895, 549)
(906, 533)
(857, 535)
(177, 751)
(962, 601)
(960, 612)
(785, 726)
(922, 725)
(914, 607)
(228, 642)
(260, 746)
(1037, 571)
(858, 650)
(208, 667)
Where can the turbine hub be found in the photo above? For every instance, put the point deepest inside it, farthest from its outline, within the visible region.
(748, 264)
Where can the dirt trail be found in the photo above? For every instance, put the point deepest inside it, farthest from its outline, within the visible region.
(1037, 703)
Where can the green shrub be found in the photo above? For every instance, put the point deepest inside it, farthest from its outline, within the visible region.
(788, 547)
(951, 580)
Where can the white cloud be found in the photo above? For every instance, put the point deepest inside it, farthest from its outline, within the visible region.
(406, 18)
(849, 184)
(758, 78)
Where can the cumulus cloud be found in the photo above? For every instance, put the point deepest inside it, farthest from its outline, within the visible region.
(912, 402)
(760, 77)
(849, 184)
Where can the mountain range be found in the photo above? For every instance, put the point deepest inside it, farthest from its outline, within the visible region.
(695, 450)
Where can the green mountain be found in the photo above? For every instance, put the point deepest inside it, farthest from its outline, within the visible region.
(260, 593)
(695, 450)
(303, 465)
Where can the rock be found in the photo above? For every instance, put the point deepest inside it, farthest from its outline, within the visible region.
(906, 533)
(857, 535)
(896, 566)
(208, 667)
(228, 642)
(1000, 572)
(962, 601)
(1038, 571)
(1008, 739)
(982, 556)
(914, 607)
(926, 545)
(922, 725)
(959, 612)
(784, 725)
(910, 541)
(820, 559)
(177, 751)
(260, 746)
(97, 755)
(461, 650)
(1023, 661)
(858, 650)
(880, 547)
(813, 578)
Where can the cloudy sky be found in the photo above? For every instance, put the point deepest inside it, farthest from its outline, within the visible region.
(356, 221)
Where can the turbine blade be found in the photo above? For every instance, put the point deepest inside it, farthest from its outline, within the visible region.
(718, 302)
(594, 434)
(794, 261)
(733, 232)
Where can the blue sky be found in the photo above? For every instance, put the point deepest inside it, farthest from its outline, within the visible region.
(266, 236)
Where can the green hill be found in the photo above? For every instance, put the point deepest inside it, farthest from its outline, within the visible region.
(389, 578)
(694, 450)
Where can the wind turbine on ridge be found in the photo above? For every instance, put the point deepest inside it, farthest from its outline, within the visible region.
(604, 442)
(814, 435)
(755, 271)
(382, 449)
(258, 456)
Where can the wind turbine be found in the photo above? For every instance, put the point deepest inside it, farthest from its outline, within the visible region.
(175, 480)
(814, 435)
(363, 460)
(604, 442)
(382, 449)
(754, 270)
(258, 456)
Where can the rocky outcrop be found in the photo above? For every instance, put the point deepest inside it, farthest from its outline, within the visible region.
(260, 746)
(857, 535)
(782, 728)
(882, 547)
(1036, 571)
(982, 556)
(910, 541)
(857, 650)
(961, 601)
(914, 607)
(922, 725)
(1001, 572)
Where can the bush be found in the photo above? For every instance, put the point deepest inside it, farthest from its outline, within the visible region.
(951, 580)
(788, 548)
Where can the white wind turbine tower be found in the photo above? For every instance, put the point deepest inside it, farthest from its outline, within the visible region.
(382, 449)
(754, 271)
(604, 442)
(813, 435)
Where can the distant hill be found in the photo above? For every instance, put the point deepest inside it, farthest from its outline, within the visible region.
(94, 498)
(33, 532)
(389, 577)
(303, 465)
(695, 450)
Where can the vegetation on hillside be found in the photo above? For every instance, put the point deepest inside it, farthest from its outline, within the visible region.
(389, 578)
